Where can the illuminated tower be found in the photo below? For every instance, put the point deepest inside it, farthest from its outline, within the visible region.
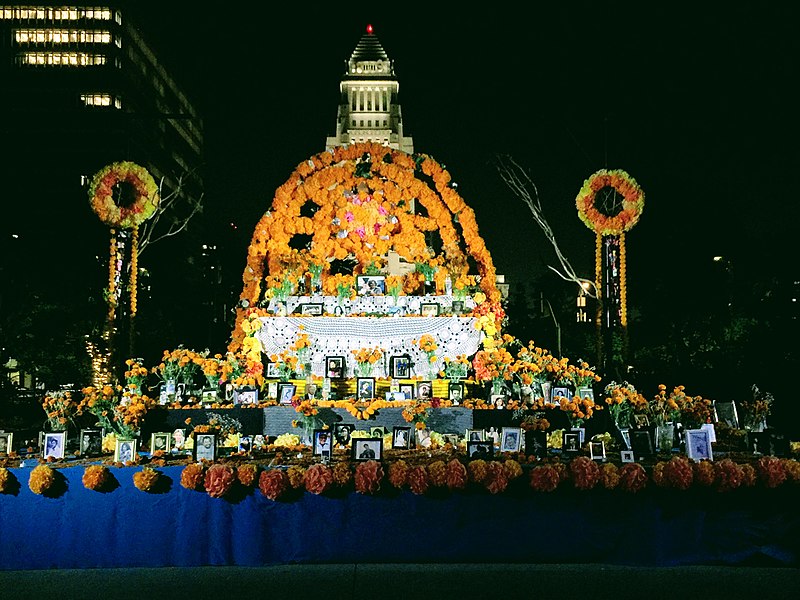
(369, 110)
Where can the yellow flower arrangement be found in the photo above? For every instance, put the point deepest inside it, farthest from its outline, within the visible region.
(117, 409)
(61, 409)
(366, 359)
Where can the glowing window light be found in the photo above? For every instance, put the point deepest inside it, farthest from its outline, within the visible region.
(62, 36)
(54, 14)
(74, 59)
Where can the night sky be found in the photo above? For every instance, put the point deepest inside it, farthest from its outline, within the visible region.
(697, 104)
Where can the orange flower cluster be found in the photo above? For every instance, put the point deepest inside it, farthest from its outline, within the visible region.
(8, 482)
(147, 479)
(368, 356)
(61, 409)
(307, 408)
(42, 479)
(494, 363)
(96, 477)
(630, 210)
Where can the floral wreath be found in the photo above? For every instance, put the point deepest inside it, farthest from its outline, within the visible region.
(632, 202)
(123, 217)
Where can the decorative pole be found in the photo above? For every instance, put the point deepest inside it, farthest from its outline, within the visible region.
(610, 203)
(123, 195)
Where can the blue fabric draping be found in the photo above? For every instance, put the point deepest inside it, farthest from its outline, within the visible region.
(126, 527)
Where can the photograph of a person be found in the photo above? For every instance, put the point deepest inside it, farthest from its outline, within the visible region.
(91, 442)
(6, 438)
(377, 432)
(429, 309)
(248, 395)
(475, 435)
(407, 389)
(365, 388)
(205, 446)
(423, 438)
(585, 393)
(726, 413)
(401, 437)
(342, 433)
(286, 392)
(597, 450)
(124, 451)
(510, 439)
(498, 401)
(400, 366)
(424, 390)
(367, 449)
(271, 371)
(572, 442)
(457, 307)
(371, 285)
(322, 442)
(245, 443)
(54, 444)
(334, 367)
(698, 444)
(455, 392)
(160, 442)
(536, 443)
(561, 392)
(479, 450)
(178, 439)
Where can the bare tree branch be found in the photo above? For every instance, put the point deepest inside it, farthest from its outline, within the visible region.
(150, 233)
(524, 188)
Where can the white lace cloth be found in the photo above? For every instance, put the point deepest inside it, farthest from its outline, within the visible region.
(372, 304)
(339, 336)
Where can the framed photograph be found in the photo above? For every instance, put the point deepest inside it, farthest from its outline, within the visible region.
(178, 439)
(561, 391)
(286, 392)
(124, 451)
(342, 433)
(597, 450)
(312, 308)
(641, 443)
(626, 456)
(407, 389)
(536, 443)
(451, 438)
(698, 444)
(205, 446)
(160, 442)
(482, 450)
(423, 438)
(272, 390)
(322, 442)
(371, 285)
(377, 432)
(424, 390)
(510, 439)
(245, 443)
(455, 392)
(585, 392)
(367, 448)
(400, 366)
(625, 433)
(365, 388)
(725, 412)
(247, 395)
(758, 442)
(208, 397)
(641, 421)
(429, 309)
(6, 439)
(498, 401)
(91, 442)
(334, 367)
(457, 307)
(571, 442)
(476, 435)
(54, 444)
(401, 438)
(271, 372)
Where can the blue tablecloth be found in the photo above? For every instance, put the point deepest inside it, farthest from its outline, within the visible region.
(126, 527)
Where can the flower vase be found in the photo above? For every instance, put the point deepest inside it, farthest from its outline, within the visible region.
(309, 425)
(316, 283)
(665, 437)
(364, 369)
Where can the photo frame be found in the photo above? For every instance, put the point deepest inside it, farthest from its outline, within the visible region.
(205, 446)
(322, 442)
(272, 390)
(626, 456)
(400, 366)
(247, 395)
(271, 371)
(725, 412)
(561, 390)
(124, 451)
(367, 449)
(401, 438)
(457, 307)
(641, 443)
(91, 442)
(160, 441)
(455, 392)
(597, 450)
(365, 388)
(408, 390)
(625, 434)
(54, 444)
(498, 401)
(342, 432)
(536, 443)
(698, 444)
(286, 392)
(585, 392)
(377, 432)
(480, 450)
(371, 285)
(510, 439)
(208, 397)
(641, 421)
(758, 442)
(429, 309)
(571, 442)
(335, 367)
(178, 439)
(6, 441)
(451, 438)
(245, 444)
(475, 435)
(312, 309)
(424, 390)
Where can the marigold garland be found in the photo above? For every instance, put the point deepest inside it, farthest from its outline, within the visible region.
(630, 211)
(585, 472)
(147, 479)
(632, 477)
(42, 479)
(496, 478)
(342, 474)
(456, 476)
(770, 471)
(296, 475)
(437, 473)
(96, 477)
(145, 202)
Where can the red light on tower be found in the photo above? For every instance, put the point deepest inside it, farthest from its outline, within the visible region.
(369, 29)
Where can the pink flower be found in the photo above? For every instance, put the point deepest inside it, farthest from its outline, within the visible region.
(318, 479)
(348, 216)
(219, 479)
(368, 477)
(273, 483)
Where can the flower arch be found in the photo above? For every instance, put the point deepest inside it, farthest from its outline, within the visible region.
(356, 201)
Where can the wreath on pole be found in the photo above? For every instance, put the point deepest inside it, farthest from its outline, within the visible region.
(101, 195)
(609, 214)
